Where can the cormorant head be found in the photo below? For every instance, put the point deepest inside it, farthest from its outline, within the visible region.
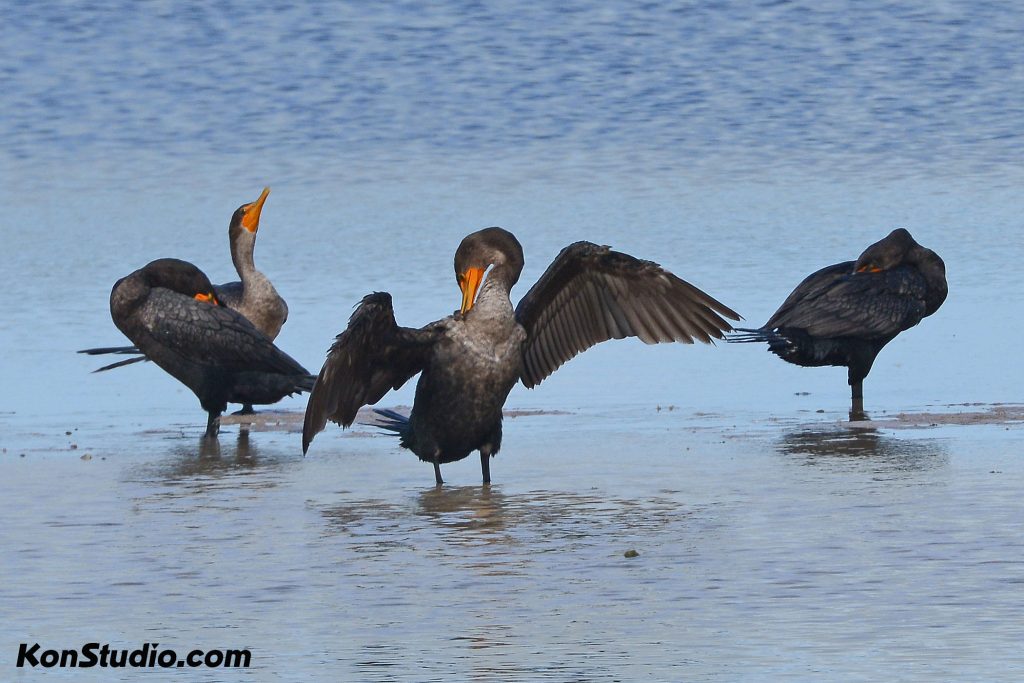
(181, 277)
(897, 247)
(247, 217)
(481, 250)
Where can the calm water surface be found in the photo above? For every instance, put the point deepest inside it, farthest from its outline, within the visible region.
(742, 145)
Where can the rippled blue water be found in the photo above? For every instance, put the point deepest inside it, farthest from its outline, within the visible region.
(282, 89)
(741, 144)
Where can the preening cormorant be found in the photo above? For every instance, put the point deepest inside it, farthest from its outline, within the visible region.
(472, 359)
(845, 313)
(253, 296)
(169, 310)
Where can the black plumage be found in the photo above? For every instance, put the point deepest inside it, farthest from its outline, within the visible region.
(169, 311)
(471, 360)
(253, 295)
(846, 313)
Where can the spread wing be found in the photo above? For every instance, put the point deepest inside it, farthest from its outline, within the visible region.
(210, 335)
(371, 357)
(590, 294)
(837, 302)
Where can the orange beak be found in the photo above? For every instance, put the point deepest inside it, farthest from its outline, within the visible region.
(469, 283)
(251, 219)
(207, 298)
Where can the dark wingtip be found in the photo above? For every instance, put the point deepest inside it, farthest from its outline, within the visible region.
(727, 312)
(307, 435)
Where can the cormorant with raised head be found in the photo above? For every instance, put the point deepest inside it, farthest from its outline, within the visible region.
(472, 359)
(252, 295)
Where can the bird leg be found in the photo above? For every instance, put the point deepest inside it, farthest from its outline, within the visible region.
(212, 426)
(485, 464)
(246, 410)
(437, 468)
(857, 401)
(857, 390)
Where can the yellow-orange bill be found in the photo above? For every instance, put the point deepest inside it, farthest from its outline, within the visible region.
(469, 283)
(251, 219)
(207, 298)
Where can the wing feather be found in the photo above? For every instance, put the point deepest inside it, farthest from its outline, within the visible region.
(211, 335)
(837, 302)
(590, 294)
(372, 356)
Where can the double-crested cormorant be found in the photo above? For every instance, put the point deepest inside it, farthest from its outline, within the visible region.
(472, 359)
(169, 310)
(844, 314)
(254, 296)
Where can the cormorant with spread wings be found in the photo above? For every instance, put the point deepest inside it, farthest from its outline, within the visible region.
(471, 360)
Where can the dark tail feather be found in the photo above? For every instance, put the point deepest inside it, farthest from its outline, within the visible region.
(306, 383)
(782, 344)
(743, 335)
(393, 422)
(121, 350)
(120, 363)
(134, 350)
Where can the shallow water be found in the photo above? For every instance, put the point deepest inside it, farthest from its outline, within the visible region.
(741, 145)
(793, 550)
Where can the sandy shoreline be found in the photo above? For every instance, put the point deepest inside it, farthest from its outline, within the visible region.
(953, 414)
(87, 440)
(291, 420)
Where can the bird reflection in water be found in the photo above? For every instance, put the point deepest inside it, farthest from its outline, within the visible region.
(214, 460)
(542, 521)
(213, 456)
(465, 507)
(481, 511)
(828, 446)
